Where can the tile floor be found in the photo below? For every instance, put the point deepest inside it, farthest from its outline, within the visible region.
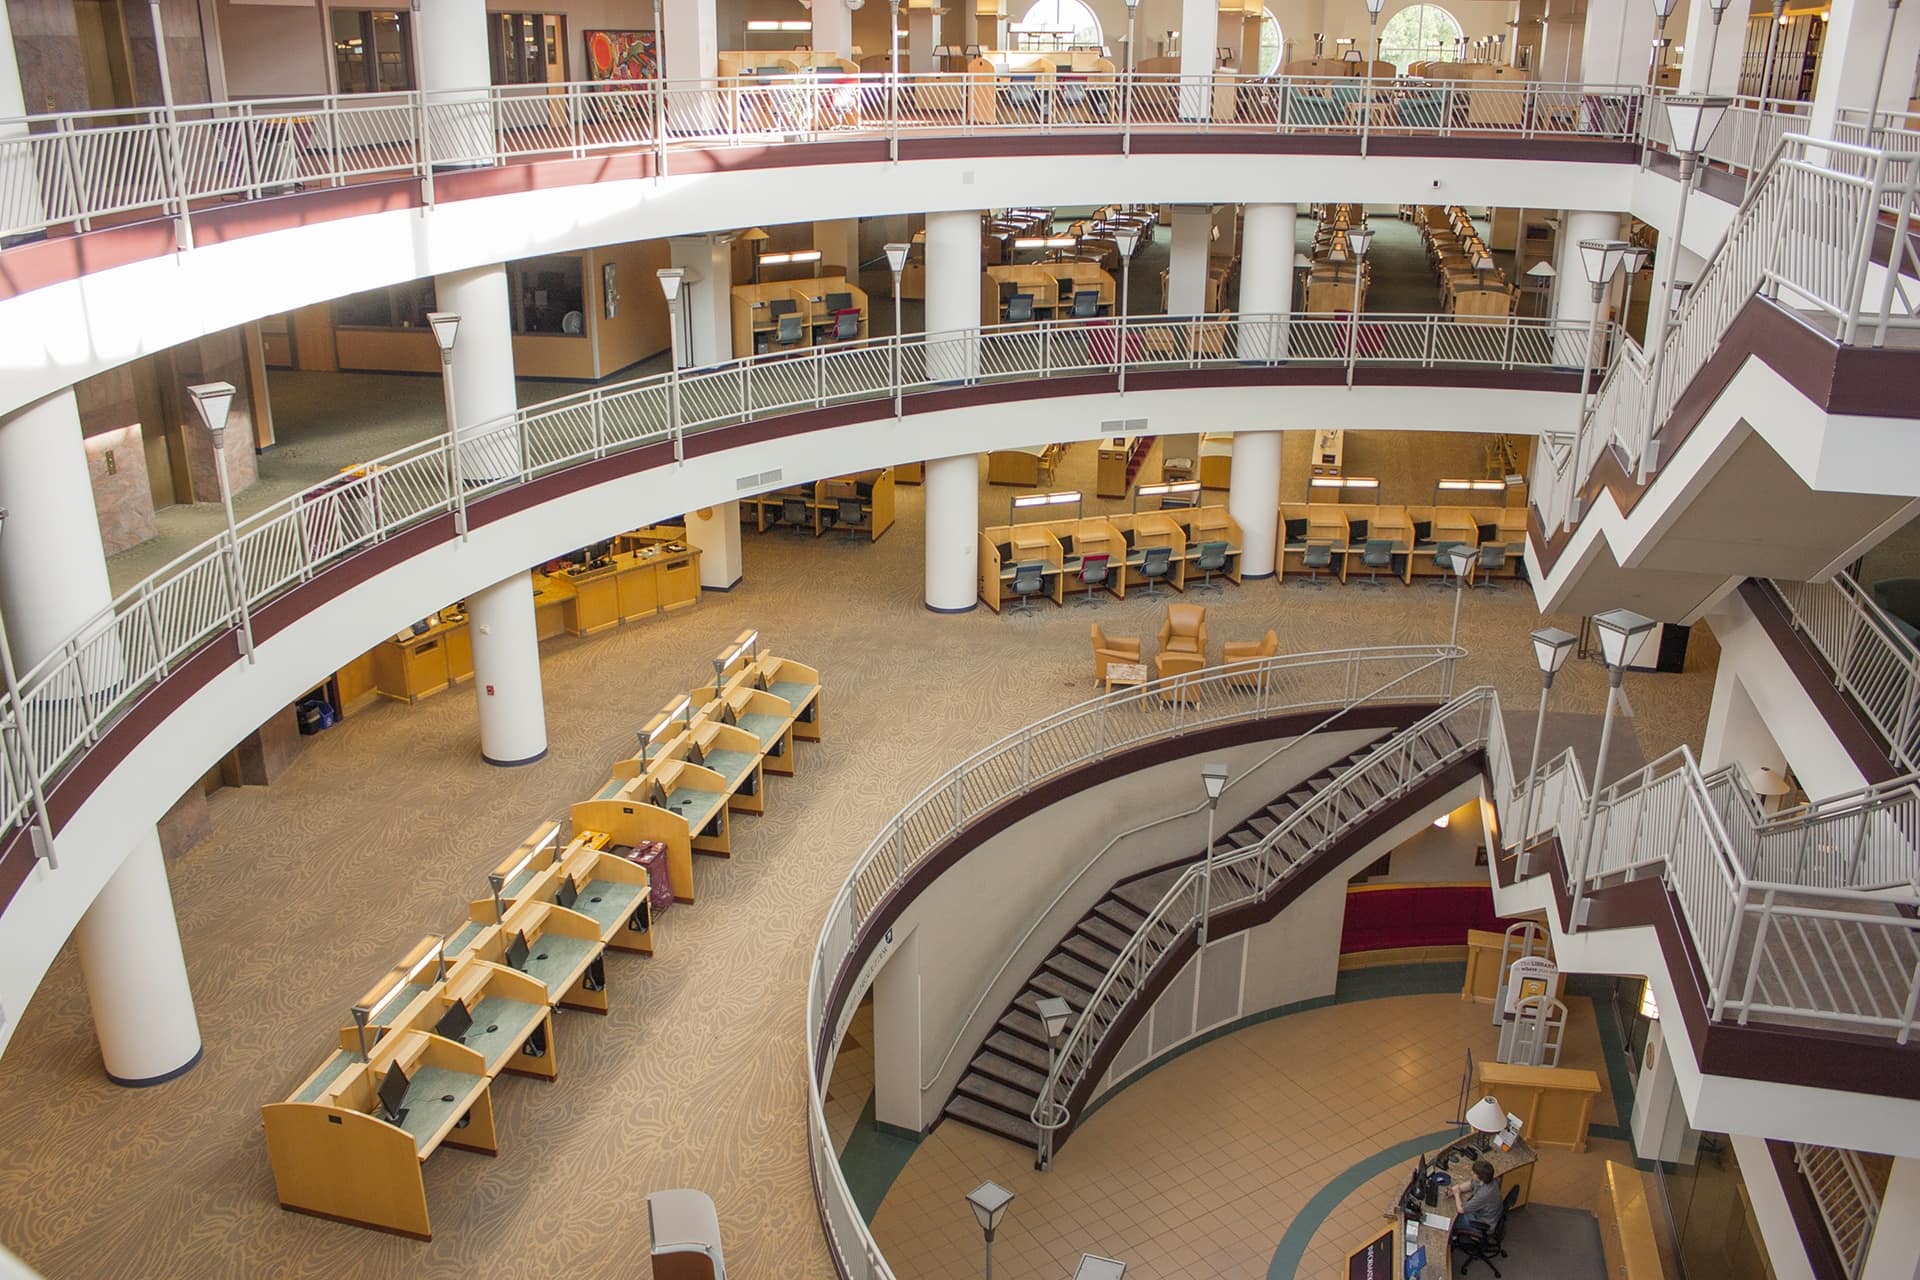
(1198, 1169)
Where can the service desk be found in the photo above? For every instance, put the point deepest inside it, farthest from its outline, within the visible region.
(1513, 1170)
(412, 666)
(1555, 1104)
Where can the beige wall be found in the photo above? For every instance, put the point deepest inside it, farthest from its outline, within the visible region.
(116, 458)
(639, 327)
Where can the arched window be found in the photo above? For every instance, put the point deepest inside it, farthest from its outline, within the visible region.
(1419, 33)
(1272, 43)
(1072, 19)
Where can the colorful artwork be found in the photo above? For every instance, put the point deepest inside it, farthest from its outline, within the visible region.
(621, 55)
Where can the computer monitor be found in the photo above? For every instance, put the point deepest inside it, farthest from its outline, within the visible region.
(782, 307)
(656, 794)
(838, 302)
(518, 950)
(454, 1022)
(393, 1092)
(568, 893)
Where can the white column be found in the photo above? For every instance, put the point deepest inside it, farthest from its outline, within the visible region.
(1857, 34)
(53, 573)
(1266, 280)
(952, 491)
(1572, 295)
(1617, 47)
(953, 294)
(506, 672)
(455, 71)
(1779, 1232)
(923, 33)
(1659, 1115)
(1896, 1237)
(1199, 29)
(706, 317)
(896, 1038)
(1724, 75)
(16, 168)
(1187, 260)
(690, 45)
(1253, 499)
(838, 240)
(483, 388)
(136, 974)
(715, 532)
(832, 27)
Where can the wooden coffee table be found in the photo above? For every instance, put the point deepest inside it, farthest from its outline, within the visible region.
(1126, 675)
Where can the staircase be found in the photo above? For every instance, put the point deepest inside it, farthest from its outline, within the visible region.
(1002, 1083)
(1142, 445)
(1844, 1187)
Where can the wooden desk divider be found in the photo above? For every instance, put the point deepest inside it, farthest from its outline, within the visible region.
(626, 820)
(796, 684)
(1215, 524)
(1156, 529)
(565, 954)
(334, 1157)
(612, 891)
(513, 1032)
(767, 718)
(733, 753)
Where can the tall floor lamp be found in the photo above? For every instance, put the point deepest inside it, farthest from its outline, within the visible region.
(1551, 646)
(897, 263)
(446, 328)
(214, 400)
(1620, 633)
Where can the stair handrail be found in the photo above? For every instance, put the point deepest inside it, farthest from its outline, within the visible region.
(1448, 656)
(1860, 840)
(1181, 906)
(1851, 1215)
(1872, 660)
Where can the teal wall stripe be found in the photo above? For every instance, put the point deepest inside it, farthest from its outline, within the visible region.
(1299, 1233)
(873, 1157)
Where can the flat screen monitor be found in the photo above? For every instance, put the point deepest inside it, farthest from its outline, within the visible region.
(393, 1093)
(518, 950)
(782, 307)
(568, 892)
(454, 1022)
(837, 302)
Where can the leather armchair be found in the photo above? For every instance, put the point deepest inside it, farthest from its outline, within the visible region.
(1184, 630)
(1249, 650)
(1108, 648)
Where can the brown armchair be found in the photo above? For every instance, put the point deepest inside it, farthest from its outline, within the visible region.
(1249, 651)
(1184, 631)
(1108, 648)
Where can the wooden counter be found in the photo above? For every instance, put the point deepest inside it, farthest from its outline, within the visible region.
(630, 586)
(1555, 1104)
(413, 667)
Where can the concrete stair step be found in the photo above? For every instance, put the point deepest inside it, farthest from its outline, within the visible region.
(1105, 932)
(993, 1120)
(1014, 1102)
(1018, 1050)
(1048, 983)
(1092, 954)
(1015, 1075)
(1081, 974)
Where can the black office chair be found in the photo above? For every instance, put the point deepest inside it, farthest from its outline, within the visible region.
(1020, 308)
(1443, 562)
(1093, 576)
(1029, 578)
(1211, 560)
(1492, 559)
(1155, 565)
(1086, 303)
(1375, 556)
(796, 515)
(1485, 1246)
(852, 516)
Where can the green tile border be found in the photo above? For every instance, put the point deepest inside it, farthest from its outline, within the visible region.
(1292, 1248)
(873, 1157)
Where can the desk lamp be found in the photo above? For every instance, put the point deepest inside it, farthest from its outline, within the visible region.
(1487, 1117)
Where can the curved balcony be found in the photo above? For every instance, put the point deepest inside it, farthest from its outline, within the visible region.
(380, 537)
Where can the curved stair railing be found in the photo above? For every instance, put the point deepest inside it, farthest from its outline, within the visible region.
(1804, 235)
(75, 693)
(1225, 881)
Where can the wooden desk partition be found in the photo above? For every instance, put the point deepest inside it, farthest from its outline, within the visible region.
(627, 821)
(1555, 1104)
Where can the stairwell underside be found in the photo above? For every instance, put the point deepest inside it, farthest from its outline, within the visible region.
(1786, 456)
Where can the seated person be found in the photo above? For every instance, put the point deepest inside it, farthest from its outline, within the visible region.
(1478, 1206)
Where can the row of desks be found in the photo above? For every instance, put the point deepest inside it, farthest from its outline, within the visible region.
(861, 503)
(1418, 535)
(536, 942)
(1062, 547)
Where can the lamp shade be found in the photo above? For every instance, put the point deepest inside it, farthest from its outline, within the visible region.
(214, 400)
(1620, 630)
(446, 325)
(1374, 7)
(1126, 238)
(1601, 258)
(1360, 239)
(1214, 778)
(1460, 559)
(1551, 646)
(1663, 9)
(1054, 1013)
(1766, 782)
(1302, 262)
(1692, 118)
(671, 278)
(1132, 5)
(989, 1201)
(1634, 257)
(897, 257)
(1487, 1115)
(1542, 270)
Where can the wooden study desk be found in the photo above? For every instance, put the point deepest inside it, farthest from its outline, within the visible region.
(409, 667)
(334, 1157)
(861, 502)
(512, 1020)
(756, 320)
(769, 719)
(623, 816)
(1555, 1104)
(564, 952)
(796, 684)
(1028, 467)
(1042, 281)
(611, 891)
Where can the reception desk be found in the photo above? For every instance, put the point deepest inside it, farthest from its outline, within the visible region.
(1555, 1104)
(410, 667)
(630, 585)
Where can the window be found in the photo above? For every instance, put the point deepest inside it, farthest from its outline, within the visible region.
(372, 50)
(1419, 33)
(526, 48)
(401, 306)
(547, 295)
(1056, 24)
(1272, 43)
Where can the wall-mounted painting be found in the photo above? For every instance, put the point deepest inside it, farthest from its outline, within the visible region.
(621, 55)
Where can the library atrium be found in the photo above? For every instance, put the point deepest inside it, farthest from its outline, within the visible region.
(1173, 639)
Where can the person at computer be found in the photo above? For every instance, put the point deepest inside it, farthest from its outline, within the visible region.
(1478, 1207)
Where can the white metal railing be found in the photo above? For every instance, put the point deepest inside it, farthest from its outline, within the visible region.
(1067, 740)
(75, 167)
(1872, 661)
(1848, 1201)
(1749, 133)
(1865, 839)
(1247, 875)
(1804, 236)
(76, 691)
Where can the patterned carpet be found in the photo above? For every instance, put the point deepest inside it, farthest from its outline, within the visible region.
(383, 830)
